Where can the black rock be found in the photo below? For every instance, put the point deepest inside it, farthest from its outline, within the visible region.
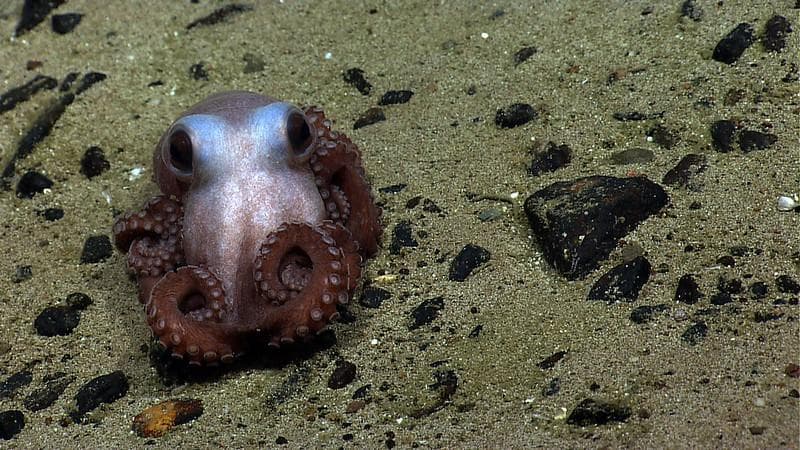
(775, 33)
(787, 285)
(96, 249)
(11, 423)
(644, 314)
(577, 223)
(94, 162)
(402, 237)
(14, 96)
(10, 386)
(622, 283)
(695, 333)
(198, 72)
(550, 361)
(32, 183)
(553, 157)
(78, 301)
(514, 115)
(731, 47)
(103, 389)
(342, 375)
(721, 298)
(426, 312)
(597, 412)
(52, 214)
(33, 13)
(44, 397)
(355, 77)
(370, 117)
(722, 132)
(372, 297)
(89, 79)
(64, 23)
(395, 97)
(686, 170)
(468, 259)
(56, 321)
(523, 54)
(759, 290)
(754, 140)
(688, 290)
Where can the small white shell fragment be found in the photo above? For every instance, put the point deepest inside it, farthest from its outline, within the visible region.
(787, 203)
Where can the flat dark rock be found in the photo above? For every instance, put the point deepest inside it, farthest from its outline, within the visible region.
(577, 223)
(623, 282)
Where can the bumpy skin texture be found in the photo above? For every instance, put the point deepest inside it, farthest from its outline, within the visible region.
(264, 222)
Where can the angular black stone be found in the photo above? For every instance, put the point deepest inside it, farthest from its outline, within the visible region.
(622, 283)
(56, 321)
(94, 162)
(402, 237)
(523, 54)
(577, 223)
(468, 259)
(553, 157)
(597, 412)
(44, 397)
(53, 214)
(695, 333)
(372, 297)
(644, 314)
(32, 183)
(750, 140)
(426, 312)
(64, 23)
(33, 13)
(686, 170)
(11, 423)
(355, 77)
(370, 117)
(722, 132)
(102, 389)
(787, 285)
(395, 97)
(14, 96)
(731, 47)
(342, 375)
(14, 382)
(688, 290)
(775, 33)
(96, 249)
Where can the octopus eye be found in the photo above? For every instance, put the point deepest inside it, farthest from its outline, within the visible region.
(299, 134)
(180, 151)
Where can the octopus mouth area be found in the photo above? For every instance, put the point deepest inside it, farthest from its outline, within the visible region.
(295, 270)
(194, 305)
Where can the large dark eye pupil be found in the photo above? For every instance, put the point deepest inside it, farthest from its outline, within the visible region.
(180, 151)
(298, 132)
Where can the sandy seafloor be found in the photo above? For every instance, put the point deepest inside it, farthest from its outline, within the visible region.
(730, 390)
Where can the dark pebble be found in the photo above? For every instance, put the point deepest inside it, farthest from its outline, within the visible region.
(426, 312)
(20, 379)
(787, 285)
(33, 13)
(373, 297)
(56, 321)
(635, 116)
(11, 423)
(635, 155)
(220, 15)
(759, 290)
(96, 249)
(66, 83)
(103, 389)
(22, 273)
(663, 136)
(280, 440)
(475, 332)
(370, 117)
(198, 72)
(685, 171)
(342, 375)
(577, 223)
(395, 97)
(722, 132)
(731, 286)
(468, 259)
(721, 298)
(89, 79)
(553, 157)
(514, 115)
(78, 301)
(692, 10)
(695, 333)
(597, 412)
(523, 54)
(755, 140)
(622, 283)
(731, 47)
(14, 96)
(362, 392)
(94, 162)
(688, 291)
(52, 214)
(65, 23)
(32, 183)
(45, 396)
(644, 314)
(402, 237)
(393, 189)
(775, 33)
(355, 77)
(550, 361)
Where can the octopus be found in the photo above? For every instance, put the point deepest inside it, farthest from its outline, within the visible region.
(263, 226)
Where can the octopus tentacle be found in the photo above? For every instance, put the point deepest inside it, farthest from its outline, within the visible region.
(300, 248)
(342, 184)
(152, 237)
(188, 314)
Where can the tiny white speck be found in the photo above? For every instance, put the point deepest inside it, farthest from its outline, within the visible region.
(135, 173)
(106, 196)
(485, 35)
(786, 203)
(328, 55)
(374, 341)
(514, 195)
(399, 420)
(649, 139)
